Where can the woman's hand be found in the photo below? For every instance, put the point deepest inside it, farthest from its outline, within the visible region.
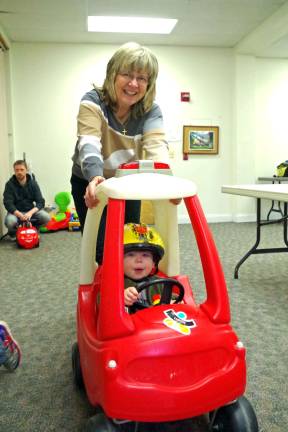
(130, 296)
(90, 197)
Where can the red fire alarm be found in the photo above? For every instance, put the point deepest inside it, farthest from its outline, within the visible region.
(185, 96)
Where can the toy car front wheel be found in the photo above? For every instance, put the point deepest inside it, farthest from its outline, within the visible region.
(236, 417)
(76, 367)
(100, 423)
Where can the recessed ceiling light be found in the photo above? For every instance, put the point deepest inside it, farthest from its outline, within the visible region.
(115, 24)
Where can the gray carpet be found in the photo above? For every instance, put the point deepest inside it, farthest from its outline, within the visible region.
(38, 290)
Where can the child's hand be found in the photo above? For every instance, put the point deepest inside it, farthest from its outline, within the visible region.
(130, 296)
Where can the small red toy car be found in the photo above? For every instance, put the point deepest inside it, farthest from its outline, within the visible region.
(27, 236)
(165, 363)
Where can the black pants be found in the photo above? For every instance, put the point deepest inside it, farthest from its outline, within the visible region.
(132, 212)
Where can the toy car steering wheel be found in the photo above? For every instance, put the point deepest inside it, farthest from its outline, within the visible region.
(166, 295)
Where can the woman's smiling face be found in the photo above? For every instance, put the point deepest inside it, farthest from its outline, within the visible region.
(130, 88)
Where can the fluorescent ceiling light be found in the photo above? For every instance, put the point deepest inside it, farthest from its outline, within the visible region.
(115, 24)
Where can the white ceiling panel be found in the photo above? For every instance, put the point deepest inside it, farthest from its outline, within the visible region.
(209, 23)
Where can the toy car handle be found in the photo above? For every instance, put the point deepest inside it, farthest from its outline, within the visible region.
(26, 224)
(167, 290)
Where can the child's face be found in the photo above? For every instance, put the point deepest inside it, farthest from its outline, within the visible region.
(138, 264)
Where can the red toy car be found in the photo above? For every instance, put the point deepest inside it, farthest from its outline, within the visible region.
(27, 236)
(165, 363)
(58, 222)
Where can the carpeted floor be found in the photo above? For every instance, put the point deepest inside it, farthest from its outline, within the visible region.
(38, 292)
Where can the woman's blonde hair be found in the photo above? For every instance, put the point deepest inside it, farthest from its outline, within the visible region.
(131, 57)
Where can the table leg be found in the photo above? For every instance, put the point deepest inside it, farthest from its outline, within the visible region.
(285, 216)
(254, 249)
(258, 236)
(275, 210)
(272, 209)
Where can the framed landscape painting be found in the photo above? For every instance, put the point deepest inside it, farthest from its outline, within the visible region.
(201, 139)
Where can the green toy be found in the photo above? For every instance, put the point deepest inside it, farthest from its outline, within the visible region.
(62, 199)
(61, 219)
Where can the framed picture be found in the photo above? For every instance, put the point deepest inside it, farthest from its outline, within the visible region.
(200, 139)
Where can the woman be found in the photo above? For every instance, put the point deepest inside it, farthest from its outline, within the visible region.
(117, 123)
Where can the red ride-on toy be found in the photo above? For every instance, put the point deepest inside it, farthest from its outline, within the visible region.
(27, 236)
(166, 363)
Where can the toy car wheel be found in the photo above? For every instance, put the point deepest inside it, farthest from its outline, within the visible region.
(76, 367)
(100, 423)
(236, 417)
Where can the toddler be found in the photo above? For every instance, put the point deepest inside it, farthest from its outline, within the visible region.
(143, 249)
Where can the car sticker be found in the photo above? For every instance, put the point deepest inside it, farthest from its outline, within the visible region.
(178, 321)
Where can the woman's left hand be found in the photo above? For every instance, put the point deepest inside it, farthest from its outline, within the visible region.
(90, 196)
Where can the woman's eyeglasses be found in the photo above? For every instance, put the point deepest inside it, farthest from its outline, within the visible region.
(129, 76)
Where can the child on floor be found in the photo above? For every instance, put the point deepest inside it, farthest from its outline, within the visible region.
(10, 353)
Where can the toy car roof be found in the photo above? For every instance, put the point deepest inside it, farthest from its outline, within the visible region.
(160, 188)
(147, 186)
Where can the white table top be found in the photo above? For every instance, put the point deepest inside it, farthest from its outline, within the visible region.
(277, 192)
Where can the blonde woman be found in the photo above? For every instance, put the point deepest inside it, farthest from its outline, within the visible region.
(117, 123)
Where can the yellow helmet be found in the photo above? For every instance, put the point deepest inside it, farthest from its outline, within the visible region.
(142, 237)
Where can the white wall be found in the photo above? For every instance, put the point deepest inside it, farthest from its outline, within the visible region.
(208, 75)
(47, 84)
(6, 148)
(271, 115)
(260, 110)
(231, 91)
(48, 81)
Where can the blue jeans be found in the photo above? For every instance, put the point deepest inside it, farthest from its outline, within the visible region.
(38, 219)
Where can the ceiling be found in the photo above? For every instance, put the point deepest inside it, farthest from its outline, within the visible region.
(257, 27)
